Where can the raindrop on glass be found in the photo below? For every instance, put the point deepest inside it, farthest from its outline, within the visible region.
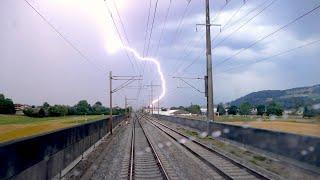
(160, 145)
(304, 152)
(311, 148)
(168, 143)
(203, 134)
(216, 133)
(226, 130)
(183, 141)
(148, 149)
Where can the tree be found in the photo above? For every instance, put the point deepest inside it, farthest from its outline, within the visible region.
(245, 108)
(274, 109)
(34, 112)
(83, 107)
(308, 112)
(6, 105)
(194, 109)
(58, 110)
(41, 112)
(221, 109)
(261, 110)
(173, 108)
(72, 110)
(233, 110)
(46, 105)
(98, 109)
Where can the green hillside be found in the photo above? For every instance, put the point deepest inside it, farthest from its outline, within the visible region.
(290, 98)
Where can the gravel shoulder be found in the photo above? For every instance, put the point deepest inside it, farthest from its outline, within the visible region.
(104, 162)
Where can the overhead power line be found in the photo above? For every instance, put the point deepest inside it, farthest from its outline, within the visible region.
(147, 28)
(63, 37)
(119, 35)
(152, 24)
(176, 34)
(124, 30)
(200, 54)
(274, 32)
(273, 56)
(163, 27)
(245, 23)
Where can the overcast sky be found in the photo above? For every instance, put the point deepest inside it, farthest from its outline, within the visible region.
(37, 65)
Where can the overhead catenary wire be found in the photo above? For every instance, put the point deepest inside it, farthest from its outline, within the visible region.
(245, 23)
(64, 38)
(119, 35)
(163, 27)
(152, 24)
(199, 56)
(272, 56)
(178, 29)
(124, 30)
(270, 34)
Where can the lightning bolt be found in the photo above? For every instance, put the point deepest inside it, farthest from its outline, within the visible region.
(158, 66)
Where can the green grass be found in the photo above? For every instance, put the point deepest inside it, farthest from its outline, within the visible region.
(259, 158)
(21, 119)
(19, 126)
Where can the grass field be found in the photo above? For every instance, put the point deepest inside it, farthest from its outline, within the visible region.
(288, 124)
(19, 126)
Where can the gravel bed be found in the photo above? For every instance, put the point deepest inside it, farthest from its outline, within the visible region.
(105, 161)
(272, 166)
(179, 162)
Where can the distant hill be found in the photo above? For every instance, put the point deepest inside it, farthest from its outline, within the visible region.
(290, 98)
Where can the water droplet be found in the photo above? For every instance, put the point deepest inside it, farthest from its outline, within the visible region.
(95, 167)
(285, 116)
(203, 134)
(46, 158)
(76, 173)
(160, 145)
(168, 143)
(226, 130)
(316, 106)
(311, 148)
(140, 153)
(183, 141)
(246, 125)
(216, 133)
(148, 149)
(304, 152)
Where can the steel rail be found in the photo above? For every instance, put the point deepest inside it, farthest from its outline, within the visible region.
(234, 162)
(155, 154)
(131, 162)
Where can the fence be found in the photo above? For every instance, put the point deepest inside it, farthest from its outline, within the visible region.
(298, 147)
(44, 156)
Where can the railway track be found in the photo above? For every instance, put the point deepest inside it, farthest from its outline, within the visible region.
(144, 162)
(223, 165)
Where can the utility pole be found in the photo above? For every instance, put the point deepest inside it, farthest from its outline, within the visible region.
(151, 98)
(210, 111)
(158, 106)
(110, 93)
(128, 80)
(126, 105)
(152, 85)
(208, 78)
